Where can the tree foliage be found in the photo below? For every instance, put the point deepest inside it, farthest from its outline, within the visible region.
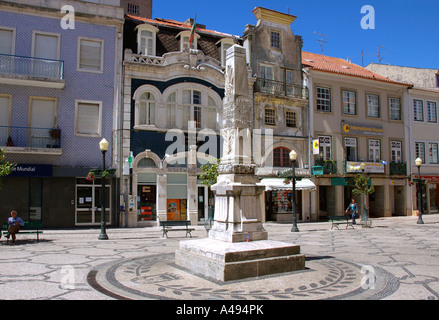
(210, 173)
(5, 166)
(360, 185)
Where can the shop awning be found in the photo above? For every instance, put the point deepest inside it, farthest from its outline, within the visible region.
(278, 184)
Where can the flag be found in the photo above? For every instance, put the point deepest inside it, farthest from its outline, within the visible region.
(193, 31)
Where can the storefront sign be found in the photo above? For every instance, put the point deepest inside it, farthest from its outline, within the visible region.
(398, 182)
(32, 170)
(371, 167)
(430, 179)
(361, 129)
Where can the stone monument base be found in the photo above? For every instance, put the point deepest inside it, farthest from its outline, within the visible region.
(226, 261)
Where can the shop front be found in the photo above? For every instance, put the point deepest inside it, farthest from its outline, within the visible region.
(279, 199)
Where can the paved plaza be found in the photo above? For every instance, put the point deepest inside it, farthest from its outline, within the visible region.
(396, 259)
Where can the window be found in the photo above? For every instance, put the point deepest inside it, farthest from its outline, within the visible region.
(7, 41)
(420, 151)
(432, 153)
(396, 151)
(323, 99)
(211, 113)
(373, 105)
(88, 118)
(281, 157)
(42, 119)
(133, 8)
(418, 109)
(172, 110)
(45, 46)
(325, 147)
(275, 40)
(291, 119)
(431, 111)
(437, 80)
(349, 102)
(7, 46)
(270, 116)
(147, 109)
(192, 108)
(184, 40)
(351, 149)
(395, 109)
(91, 55)
(146, 39)
(374, 150)
(5, 112)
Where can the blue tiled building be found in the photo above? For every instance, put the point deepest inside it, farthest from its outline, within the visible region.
(59, 96)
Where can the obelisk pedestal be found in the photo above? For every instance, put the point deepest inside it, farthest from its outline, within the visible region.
(238, 245)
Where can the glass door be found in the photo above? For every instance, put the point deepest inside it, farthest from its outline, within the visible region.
(89, 202)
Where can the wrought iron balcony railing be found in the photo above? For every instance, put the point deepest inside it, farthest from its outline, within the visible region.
(31, 67)
(398, 168)
(280, 88)
(329, 166)
(29, 137)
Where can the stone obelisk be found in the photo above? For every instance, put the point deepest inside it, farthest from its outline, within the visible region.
(238, 245)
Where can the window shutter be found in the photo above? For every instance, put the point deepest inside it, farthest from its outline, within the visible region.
(88, 119)
(6, 41)
(90, 55)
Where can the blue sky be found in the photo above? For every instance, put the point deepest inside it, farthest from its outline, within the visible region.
(408, 30)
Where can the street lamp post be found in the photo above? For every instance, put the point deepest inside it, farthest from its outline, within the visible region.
(418, 162)
(293, 157)
(103, 145)
(363, 196)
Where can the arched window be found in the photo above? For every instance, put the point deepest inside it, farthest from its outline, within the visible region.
(281, 157)
(146, 109)
(146, 39)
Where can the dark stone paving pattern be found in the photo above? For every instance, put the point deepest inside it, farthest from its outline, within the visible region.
(395, 259)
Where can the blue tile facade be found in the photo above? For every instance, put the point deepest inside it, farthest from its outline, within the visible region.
(76, 151)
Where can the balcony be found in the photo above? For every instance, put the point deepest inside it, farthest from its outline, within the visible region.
(398, 168)
(327, 166)
(280, 89)
(30, 71)
(30, 140)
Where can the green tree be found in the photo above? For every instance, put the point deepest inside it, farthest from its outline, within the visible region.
(210, 173)
(5, 166)
(361, 185)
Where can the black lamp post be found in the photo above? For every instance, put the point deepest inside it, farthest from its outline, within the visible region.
(418, 162)
(103, 145)
(293, 157)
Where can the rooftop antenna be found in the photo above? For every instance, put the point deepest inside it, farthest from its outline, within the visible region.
(321, 39)
(379, 53)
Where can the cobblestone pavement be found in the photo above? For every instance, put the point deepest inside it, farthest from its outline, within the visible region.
(395, 259)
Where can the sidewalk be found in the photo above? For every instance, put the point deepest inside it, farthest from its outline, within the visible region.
(395, 259)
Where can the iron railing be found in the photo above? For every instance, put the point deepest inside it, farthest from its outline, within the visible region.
(29, 137)
(31, 67)
(280, 88)
(398, 168)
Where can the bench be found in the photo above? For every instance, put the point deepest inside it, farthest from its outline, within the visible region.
(29, 227)
(336, 220)
(173, 226)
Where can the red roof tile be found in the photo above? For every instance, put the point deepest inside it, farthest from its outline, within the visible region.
(336, 65)
(173, 23)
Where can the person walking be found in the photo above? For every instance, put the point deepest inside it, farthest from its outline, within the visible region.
(353, 210)
(14, 224)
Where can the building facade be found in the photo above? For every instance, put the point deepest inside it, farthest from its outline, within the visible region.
(357, 117)
(173, 91)
(423, 129)
(59, 79)
(281, 113)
